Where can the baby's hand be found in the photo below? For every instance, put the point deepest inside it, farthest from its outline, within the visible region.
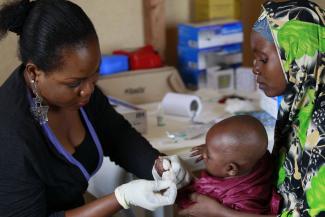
(197, 151)
(164, 169)
(159, 166)
(171, 168)
(162, 165)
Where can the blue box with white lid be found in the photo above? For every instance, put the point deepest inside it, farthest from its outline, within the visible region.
(194, 62)
(204, 58)
(210, 34)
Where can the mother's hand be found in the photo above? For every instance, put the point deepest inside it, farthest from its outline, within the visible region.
(204, 206)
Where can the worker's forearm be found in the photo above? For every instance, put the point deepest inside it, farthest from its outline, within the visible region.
(102, 207)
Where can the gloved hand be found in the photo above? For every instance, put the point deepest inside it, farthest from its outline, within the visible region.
(173, 170)
(147, 194)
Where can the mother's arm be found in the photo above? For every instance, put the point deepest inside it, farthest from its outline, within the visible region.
(208, 207)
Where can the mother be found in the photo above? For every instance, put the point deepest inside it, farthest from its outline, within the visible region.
(288, 42)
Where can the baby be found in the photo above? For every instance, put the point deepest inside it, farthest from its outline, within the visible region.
(238, 168)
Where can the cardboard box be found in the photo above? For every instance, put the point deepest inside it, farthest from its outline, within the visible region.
(135, 115)
(142, 86)
(210, 34)
(211, 9)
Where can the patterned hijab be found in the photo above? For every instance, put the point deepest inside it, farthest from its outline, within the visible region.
(298, 31)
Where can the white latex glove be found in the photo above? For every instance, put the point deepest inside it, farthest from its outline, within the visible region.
(146, 194)
(174, 171)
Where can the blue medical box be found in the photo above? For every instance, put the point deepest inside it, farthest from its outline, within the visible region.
(210, 34)
(204, 58)
(193, 62)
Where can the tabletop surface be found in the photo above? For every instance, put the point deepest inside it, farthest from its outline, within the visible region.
(110, 175)
(212, 111)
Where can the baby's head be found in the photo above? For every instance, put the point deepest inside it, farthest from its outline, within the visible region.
(234, 145)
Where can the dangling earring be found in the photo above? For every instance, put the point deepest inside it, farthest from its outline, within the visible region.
(38, 110)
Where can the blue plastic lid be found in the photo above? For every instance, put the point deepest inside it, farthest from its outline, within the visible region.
(112, 64)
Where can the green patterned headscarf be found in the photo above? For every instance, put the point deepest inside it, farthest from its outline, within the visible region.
(298, 31)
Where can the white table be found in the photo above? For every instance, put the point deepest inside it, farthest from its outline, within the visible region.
(157, 135)
(110, 175)
(212, 110)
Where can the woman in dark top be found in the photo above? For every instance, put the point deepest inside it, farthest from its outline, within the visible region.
(56, 125)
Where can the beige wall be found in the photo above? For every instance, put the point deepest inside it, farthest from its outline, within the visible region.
(8, 59)
(321, 3)
(181, 11)
(119, 25)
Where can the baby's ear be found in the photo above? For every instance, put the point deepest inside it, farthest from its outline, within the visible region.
(232, 169)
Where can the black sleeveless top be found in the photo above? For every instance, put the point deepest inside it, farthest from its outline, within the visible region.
(87, 154)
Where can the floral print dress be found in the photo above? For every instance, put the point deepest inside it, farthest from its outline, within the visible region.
(299, 35)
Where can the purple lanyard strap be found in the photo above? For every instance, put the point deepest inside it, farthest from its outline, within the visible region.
(59, 147)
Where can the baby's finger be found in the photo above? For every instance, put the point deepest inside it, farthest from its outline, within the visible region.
(198, 147)
(199, 159)
(195, 153)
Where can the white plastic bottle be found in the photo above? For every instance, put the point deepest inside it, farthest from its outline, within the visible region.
(160, 116)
